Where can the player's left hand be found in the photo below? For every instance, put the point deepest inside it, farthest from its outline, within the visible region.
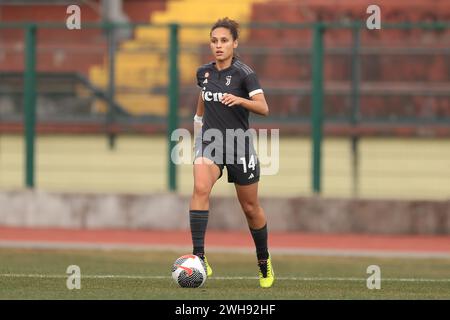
(230, 100)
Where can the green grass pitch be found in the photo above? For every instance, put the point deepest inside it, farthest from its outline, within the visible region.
(41, 274)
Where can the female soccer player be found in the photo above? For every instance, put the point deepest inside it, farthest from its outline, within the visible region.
(230, 90)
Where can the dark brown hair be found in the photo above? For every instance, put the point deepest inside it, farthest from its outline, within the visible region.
(229, 24)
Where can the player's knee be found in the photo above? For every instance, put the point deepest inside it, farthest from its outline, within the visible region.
(201, 189)
(250, 208)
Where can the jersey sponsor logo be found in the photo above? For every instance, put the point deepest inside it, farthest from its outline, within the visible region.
(212, 96)
(251, 176)
(228, 80)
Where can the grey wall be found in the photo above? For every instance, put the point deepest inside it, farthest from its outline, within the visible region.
(170, 212)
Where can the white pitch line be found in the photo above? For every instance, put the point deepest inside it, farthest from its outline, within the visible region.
(137, 277)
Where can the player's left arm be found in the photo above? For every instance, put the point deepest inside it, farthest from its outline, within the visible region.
(257, 104)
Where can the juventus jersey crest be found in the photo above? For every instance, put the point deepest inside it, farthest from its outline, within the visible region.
(228, 80)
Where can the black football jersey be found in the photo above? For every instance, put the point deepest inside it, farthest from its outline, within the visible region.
(239, 80)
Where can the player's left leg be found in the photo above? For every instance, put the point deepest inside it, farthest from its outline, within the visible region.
(256, 219)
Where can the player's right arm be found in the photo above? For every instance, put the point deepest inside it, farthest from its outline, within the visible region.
(200, 106)
(200, 74)
(198, 118)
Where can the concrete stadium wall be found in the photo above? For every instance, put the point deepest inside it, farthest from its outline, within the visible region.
(170, 212)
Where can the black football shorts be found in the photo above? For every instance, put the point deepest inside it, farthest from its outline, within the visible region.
(242, 169)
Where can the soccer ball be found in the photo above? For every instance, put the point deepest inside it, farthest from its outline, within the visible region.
(189, 271)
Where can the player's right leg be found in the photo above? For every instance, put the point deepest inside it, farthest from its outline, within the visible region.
(206, 173)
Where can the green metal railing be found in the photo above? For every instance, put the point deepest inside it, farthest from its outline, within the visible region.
(317, 88)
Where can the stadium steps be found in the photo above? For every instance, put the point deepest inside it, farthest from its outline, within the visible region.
(138, 104)
(141, 63)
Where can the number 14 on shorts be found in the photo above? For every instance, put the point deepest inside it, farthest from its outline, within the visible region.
(251, 163)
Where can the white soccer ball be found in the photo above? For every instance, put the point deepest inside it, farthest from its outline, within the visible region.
(189, 271)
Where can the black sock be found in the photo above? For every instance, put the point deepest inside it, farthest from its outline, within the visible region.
(260, 239)
(198, 221)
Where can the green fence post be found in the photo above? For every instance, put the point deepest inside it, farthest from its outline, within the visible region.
(172, 119)
(317, 106)
(30, 104)
(354, 116)
(110, 116)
